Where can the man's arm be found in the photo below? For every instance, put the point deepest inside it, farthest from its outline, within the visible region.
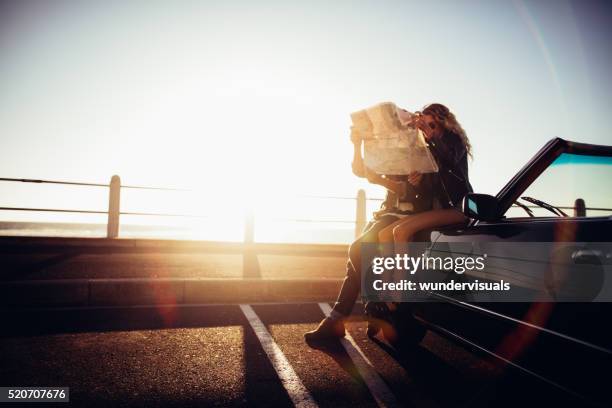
(360, 169)
(357, 164)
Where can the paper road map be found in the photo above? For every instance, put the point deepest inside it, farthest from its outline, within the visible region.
(390, 145)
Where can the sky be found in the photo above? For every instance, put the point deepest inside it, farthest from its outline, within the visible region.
(249, 100)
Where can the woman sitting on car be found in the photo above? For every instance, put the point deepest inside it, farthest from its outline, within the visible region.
(450, 148)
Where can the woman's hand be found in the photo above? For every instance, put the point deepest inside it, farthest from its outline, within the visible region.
(415, 178)
(409, 120)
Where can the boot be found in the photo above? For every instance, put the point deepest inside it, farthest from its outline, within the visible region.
(328, 329)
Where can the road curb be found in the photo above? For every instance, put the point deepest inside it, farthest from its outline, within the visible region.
(28, 245)
(144, 291)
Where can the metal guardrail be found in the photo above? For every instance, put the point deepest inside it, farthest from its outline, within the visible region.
(114, 212)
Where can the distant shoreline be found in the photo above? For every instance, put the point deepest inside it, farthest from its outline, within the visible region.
(266, 232)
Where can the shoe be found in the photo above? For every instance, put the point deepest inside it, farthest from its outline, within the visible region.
(329, 329)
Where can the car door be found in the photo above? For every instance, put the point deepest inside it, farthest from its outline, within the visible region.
(532, 335)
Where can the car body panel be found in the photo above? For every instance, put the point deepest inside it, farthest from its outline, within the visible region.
(564, 344)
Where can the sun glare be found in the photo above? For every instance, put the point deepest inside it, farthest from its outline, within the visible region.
(249, 106)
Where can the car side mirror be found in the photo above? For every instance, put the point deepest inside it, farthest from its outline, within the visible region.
(480, 207)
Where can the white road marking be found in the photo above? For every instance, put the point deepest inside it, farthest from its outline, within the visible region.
(290, 380)
(381, 393)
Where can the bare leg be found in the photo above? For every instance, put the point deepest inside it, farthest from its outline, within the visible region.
(385, 237)
(429, 219)
(404, 232)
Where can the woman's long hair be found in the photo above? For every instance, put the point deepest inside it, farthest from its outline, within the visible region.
(447, 119)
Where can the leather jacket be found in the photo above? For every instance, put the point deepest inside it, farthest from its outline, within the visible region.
(451, 183)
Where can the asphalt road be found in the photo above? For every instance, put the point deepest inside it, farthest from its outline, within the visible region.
(211, 356)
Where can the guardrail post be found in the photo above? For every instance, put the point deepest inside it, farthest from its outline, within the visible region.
(250, 262)
(579, 208)
(249, 227)
(112, 230)
(360, 216)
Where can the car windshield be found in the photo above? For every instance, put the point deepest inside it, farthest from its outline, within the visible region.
(569, 182)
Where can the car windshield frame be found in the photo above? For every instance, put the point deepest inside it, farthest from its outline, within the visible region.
(539, 163)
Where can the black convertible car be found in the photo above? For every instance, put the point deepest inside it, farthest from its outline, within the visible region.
(561, 195)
